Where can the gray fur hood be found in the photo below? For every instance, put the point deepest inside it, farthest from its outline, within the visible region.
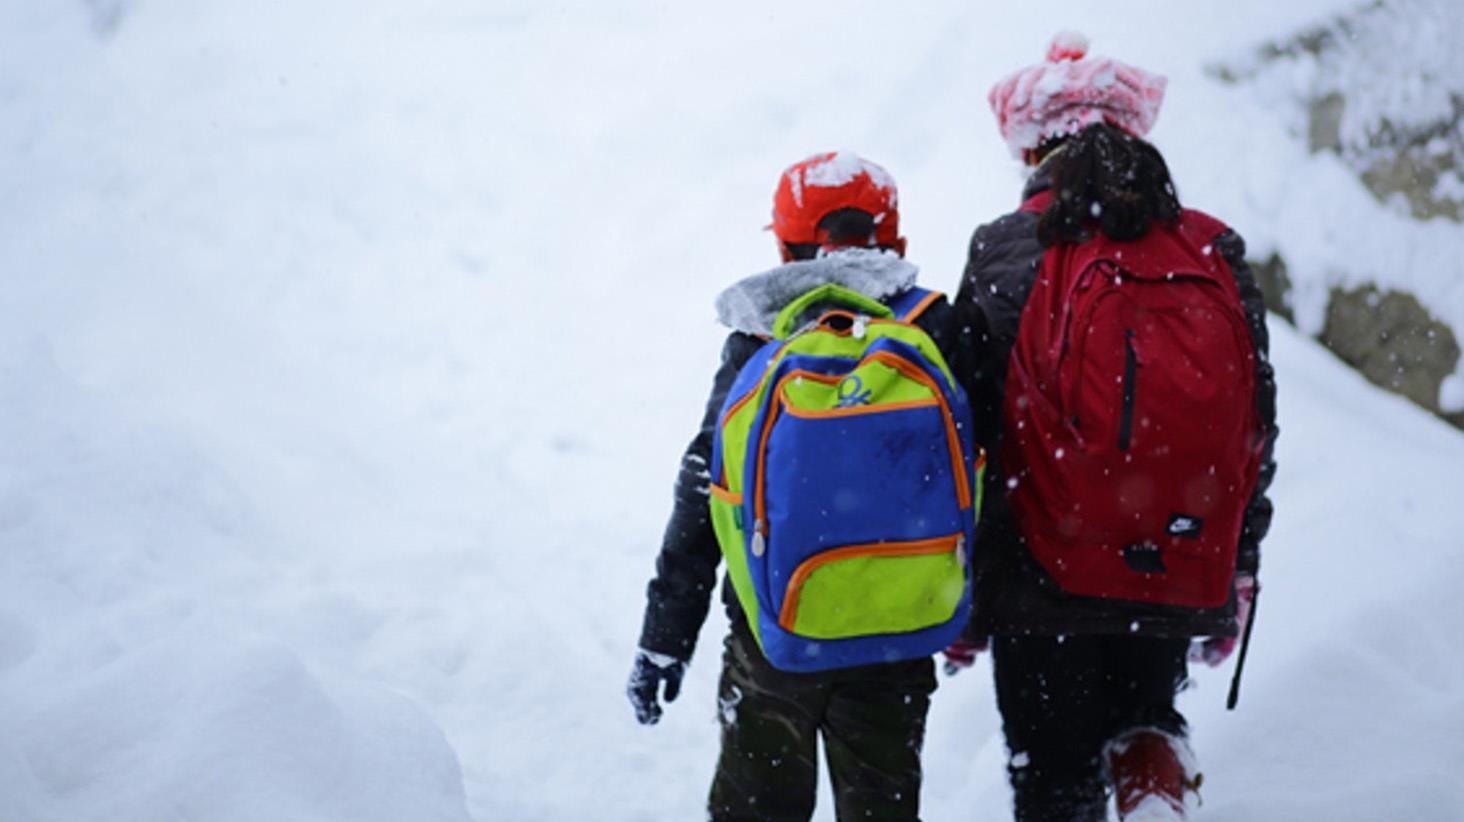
(751, 305)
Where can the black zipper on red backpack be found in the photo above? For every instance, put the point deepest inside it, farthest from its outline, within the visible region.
(1130, 376)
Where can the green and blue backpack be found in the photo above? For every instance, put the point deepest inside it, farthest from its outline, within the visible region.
(846, 485)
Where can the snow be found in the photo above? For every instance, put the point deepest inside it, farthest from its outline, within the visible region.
(1154, 809)
(839, 169)
(1067, 45)
(136, 666)
(1401, 67)
(1451, 393)
(1450, 186)
(321, 499)
(1312, 209)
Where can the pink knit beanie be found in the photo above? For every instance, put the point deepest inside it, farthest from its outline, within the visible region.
(1070, 91)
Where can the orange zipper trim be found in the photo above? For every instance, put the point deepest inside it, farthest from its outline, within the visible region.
(893, 361)
(789, 613)
(736, 406)
(775, 406)
(724, 495)
(857, 409)
(868, 321)
(905, 367)
(953, 439)
(778, 404)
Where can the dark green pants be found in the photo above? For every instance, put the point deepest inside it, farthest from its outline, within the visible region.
(872, 720)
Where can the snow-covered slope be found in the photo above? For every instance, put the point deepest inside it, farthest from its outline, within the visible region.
(346, 353)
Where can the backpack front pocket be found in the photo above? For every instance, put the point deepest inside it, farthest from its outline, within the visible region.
(859, 455)
(878, 588)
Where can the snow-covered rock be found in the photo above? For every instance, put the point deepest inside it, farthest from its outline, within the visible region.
(1379, 90)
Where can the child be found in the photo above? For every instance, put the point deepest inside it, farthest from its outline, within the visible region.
(836, 219)
(1086, 680)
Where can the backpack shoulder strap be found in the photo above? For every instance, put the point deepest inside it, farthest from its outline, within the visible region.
(1199, 227)
(1037, 203)
(912, 302)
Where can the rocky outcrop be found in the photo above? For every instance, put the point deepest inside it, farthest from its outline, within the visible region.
(1425, 170)
(1382, 89)
(1275, 284)
(1397, 121)
(1393, 340)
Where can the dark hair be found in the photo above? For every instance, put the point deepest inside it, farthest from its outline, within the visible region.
(844, 226)
(1105, 177)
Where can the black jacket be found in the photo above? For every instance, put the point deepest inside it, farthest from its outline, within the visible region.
(1014, 596)
(679, 595)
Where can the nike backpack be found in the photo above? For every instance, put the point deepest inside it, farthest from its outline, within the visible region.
(1131, 440)
(846, 484)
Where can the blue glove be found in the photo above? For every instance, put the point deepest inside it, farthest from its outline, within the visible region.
(650, 670)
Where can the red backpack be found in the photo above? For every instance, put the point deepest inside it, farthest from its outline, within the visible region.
(1131, 441)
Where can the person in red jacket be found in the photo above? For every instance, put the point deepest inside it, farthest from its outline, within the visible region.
(1085, 683)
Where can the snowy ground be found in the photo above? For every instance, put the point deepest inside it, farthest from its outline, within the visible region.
(337, 429)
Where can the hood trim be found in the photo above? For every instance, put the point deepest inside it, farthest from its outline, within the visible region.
(752, 304)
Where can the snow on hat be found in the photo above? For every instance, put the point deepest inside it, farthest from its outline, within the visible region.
(1071, 91)
(814, 187)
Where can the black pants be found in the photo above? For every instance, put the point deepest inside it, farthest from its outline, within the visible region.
(1062, 699)
(872, 719)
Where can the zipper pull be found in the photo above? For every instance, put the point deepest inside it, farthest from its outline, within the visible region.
(759, 541)
(961, 549)
(861, 323)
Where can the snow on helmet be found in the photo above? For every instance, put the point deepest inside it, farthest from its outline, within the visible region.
(1070, 91)
(819, 185)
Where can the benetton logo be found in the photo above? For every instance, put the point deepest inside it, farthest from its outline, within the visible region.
(853, 393)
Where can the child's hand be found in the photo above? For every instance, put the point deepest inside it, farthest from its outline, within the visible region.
(961, 654)
(649, 671)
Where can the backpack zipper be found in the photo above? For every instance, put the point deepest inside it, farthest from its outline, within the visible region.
(1130, 376)
(776, 406)
(793, 594)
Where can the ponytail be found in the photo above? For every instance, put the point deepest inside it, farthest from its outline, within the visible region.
(1106, 178)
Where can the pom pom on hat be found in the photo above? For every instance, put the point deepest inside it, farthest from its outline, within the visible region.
(1070, 91)
(1067, 45)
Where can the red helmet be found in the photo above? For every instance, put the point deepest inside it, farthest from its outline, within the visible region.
(810, 190)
